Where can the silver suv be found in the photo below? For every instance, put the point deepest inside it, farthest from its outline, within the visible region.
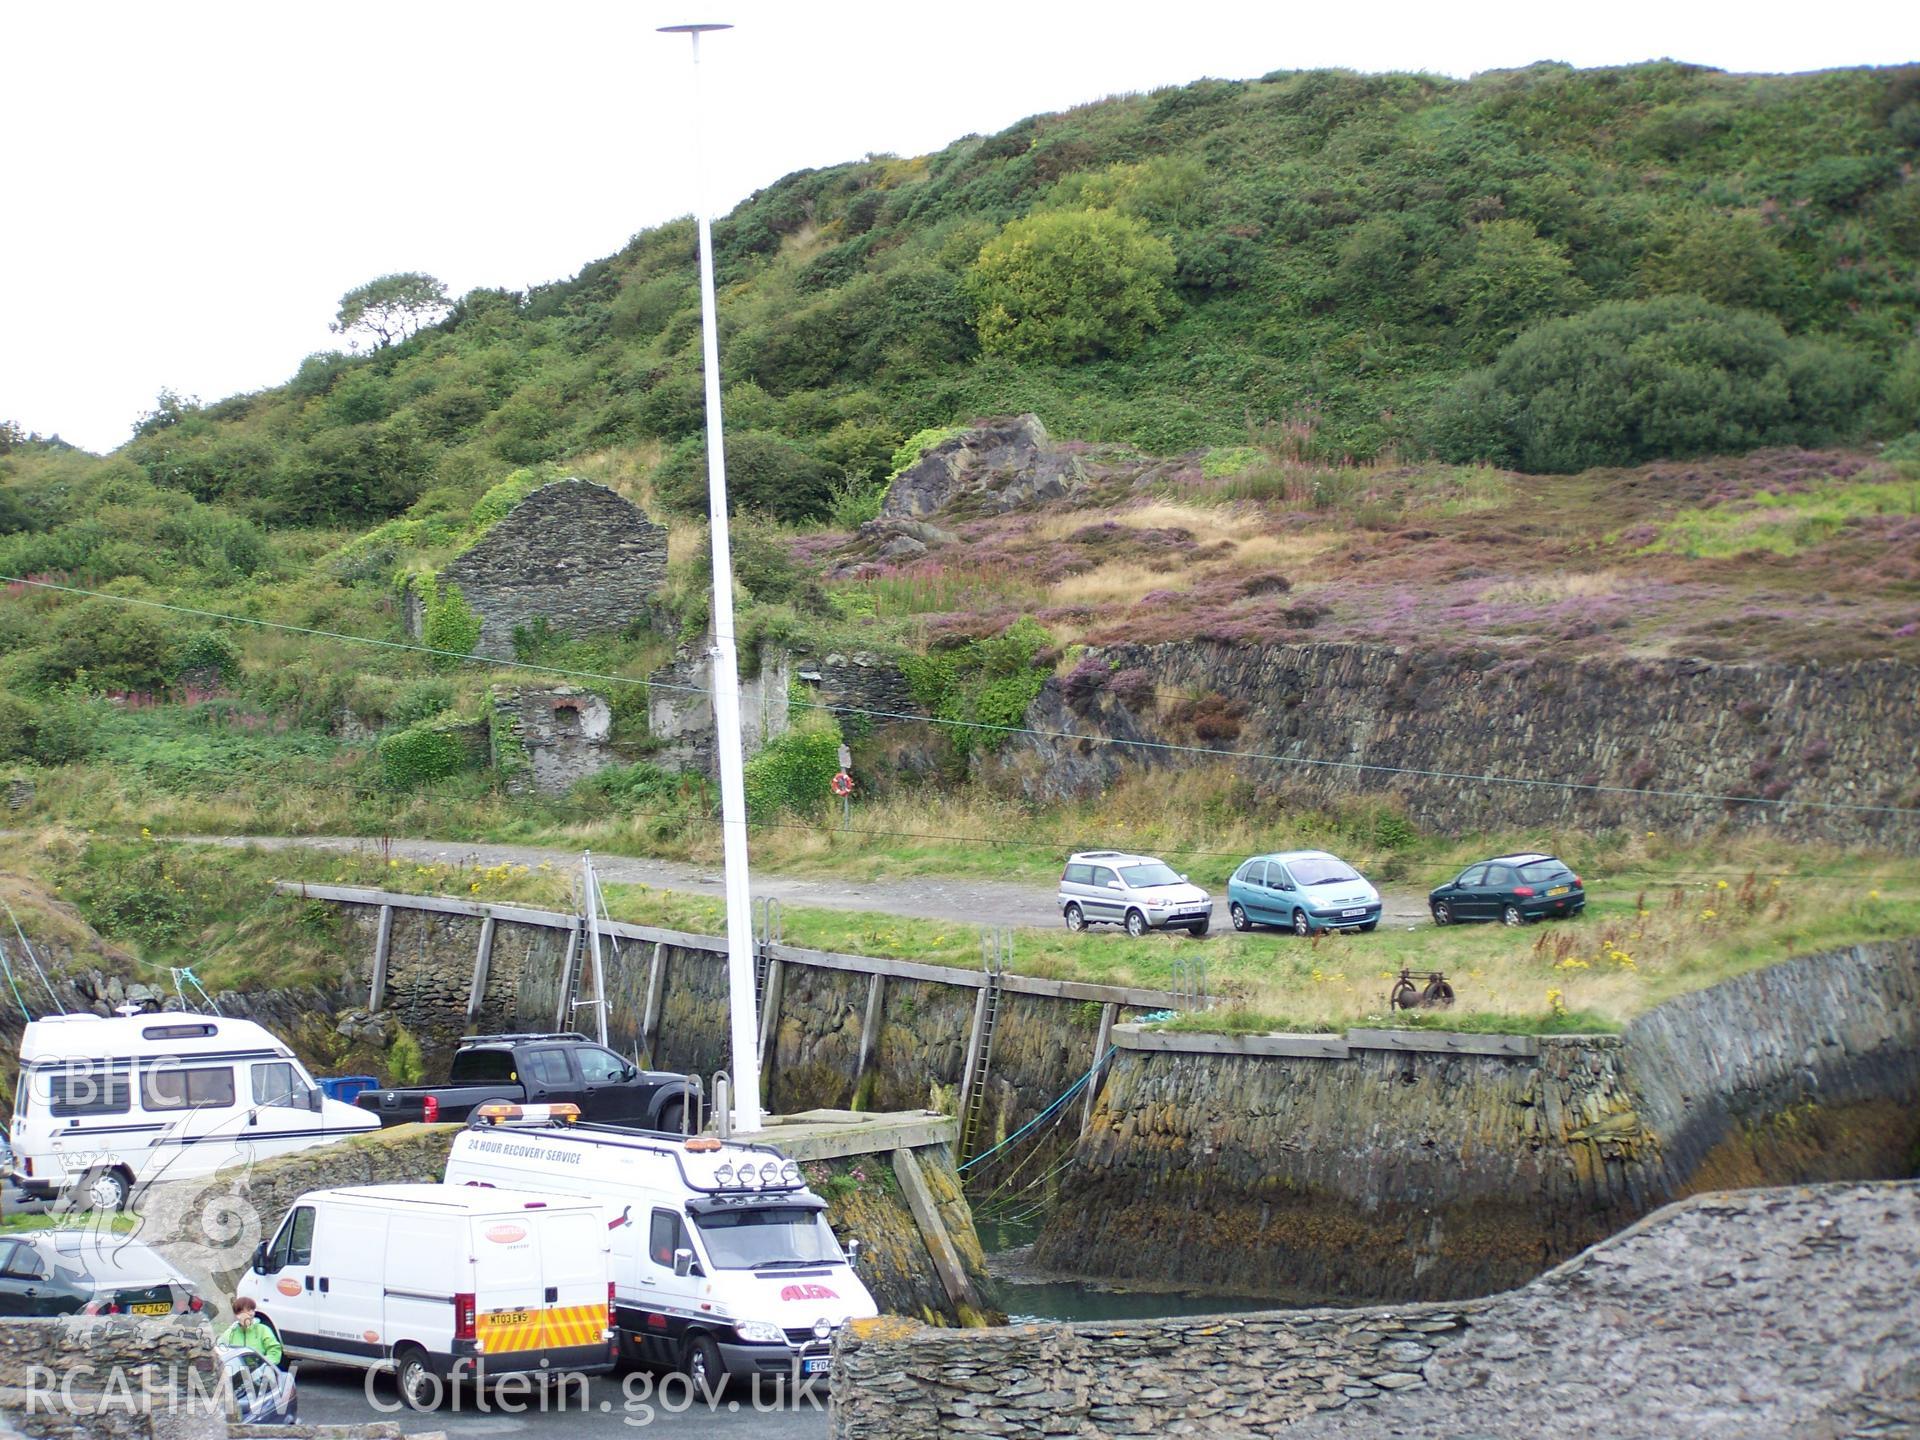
(1111, 887)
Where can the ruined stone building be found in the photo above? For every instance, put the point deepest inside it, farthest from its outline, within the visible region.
(572, 553)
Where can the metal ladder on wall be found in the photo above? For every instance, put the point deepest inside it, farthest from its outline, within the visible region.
(996, 958)
(769, 930)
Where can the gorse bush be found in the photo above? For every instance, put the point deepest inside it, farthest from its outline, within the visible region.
(1638, 380)
(794, 773)
(765, 474)
(984, 687)
(447, 622)
(421, 753)
(54, 729)
(1071, 285)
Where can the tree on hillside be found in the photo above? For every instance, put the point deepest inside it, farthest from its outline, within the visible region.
(170, 407)
(1071, 285)
(394, 307)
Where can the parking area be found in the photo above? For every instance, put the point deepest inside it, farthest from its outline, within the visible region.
(605, 1406)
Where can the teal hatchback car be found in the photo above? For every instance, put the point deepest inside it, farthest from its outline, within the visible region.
(1306, 891)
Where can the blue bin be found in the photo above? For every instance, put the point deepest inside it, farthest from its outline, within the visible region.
(346, 1088)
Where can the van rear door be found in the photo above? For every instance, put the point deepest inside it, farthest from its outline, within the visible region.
(508, 1287)
(573, 1265)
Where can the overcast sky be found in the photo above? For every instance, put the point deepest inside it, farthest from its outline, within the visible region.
(189, 188)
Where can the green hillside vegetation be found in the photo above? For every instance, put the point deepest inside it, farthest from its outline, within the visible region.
(1340, 292)
(1392, 256)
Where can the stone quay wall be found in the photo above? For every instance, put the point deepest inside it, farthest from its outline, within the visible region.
(840, 1031)
(1791, 732)
(1422, 1174)
(1044, 1036)
(1728, 1315)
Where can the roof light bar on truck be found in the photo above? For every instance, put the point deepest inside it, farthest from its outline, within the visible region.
(505, 1112)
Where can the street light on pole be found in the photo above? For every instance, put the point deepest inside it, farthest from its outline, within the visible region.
(745, 1029)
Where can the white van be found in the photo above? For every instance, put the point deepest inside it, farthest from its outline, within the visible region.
(104, 1104)
(723, 1263)
(439, 1282)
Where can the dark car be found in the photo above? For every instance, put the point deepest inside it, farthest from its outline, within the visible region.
(1513, 889)
(87, 1272)
(545, 1069)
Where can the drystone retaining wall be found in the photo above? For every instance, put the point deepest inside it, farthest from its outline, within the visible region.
(1766, 1312)
(124, 1379)
(1425, 1174)
(108, 1378)
(1795, 732)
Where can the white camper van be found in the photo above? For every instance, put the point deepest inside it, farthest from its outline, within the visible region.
(438, 1282)
(103, 1105)
(723, 1263)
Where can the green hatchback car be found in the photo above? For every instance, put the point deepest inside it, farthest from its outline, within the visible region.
(1513, 889)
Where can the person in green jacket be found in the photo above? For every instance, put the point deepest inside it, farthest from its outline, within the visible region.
(250, 1332)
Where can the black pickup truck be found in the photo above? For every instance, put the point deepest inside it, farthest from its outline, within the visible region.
(546, 1070)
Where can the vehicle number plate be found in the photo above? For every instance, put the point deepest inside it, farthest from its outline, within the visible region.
(815, 1367)
(509, 1317)
(157, 1307)
(1558, 890)
(1345, 913)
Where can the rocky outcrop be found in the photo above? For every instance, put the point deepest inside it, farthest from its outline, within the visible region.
(1005, 462)
(1429, 1175)
(1770, 1312)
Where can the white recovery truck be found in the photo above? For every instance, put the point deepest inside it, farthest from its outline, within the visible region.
(723, 1262)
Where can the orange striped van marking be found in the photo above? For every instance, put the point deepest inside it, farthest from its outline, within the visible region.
(506, 1332)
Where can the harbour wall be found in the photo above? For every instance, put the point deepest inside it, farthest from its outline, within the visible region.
(837, 1031)
(1757, 1312)
(1420, 1165)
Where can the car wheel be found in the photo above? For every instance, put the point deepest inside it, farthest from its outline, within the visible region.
(1200, 929)
(703, 1365)
(673, 1118)
(1442, 913)
(1075, 920)
(1369, 927)
(1238, 915)
(419, 1386)
(1136, 924)
(102, 1190)
(1302, 925)
(1511, 916)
